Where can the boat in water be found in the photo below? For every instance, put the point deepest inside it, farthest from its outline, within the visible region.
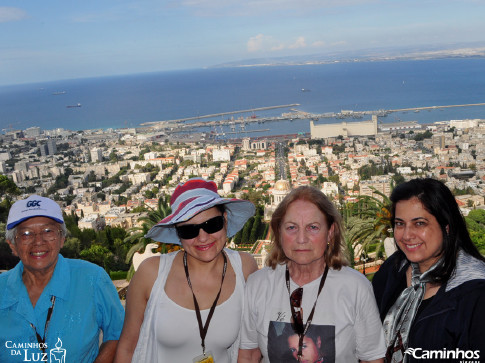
(72, 106)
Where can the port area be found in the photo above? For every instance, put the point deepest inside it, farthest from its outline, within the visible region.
(181, 125)
(221, 114)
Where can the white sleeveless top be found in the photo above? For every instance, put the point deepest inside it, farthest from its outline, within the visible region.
(170, 332)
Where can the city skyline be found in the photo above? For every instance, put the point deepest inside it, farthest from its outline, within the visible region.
(55, 40)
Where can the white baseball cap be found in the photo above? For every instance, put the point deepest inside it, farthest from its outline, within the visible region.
(33, 206)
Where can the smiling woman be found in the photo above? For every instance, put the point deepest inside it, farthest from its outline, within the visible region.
(44, 296)
(199, 288)
(435, 282)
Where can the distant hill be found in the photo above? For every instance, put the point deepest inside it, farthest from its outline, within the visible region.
(368, 55)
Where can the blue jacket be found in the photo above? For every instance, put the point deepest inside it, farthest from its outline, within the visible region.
(454, 320)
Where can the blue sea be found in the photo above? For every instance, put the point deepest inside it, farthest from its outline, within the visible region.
(130, 100)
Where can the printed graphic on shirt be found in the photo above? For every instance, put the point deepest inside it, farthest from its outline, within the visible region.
(318, 343)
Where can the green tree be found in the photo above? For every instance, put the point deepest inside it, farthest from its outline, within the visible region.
(477, 215)
(475, 221)
(254, 197)
(7, 258)
(99, 255)
(113, 156)
(8, 189)
(237, 237)
(120, 250)
(374, 225)
(71, 248)
(255, 229)
(246, 231)
(86, 236)
(136, 237)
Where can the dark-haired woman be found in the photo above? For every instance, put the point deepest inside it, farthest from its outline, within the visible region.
(431, 292)
(186, 306)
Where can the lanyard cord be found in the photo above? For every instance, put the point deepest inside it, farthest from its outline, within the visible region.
(310, 317)
(47, 321)
(204, 328)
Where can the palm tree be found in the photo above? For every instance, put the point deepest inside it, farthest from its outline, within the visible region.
(373, 224)
(136, 236)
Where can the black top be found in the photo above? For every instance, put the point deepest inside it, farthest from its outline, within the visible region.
(453, 319)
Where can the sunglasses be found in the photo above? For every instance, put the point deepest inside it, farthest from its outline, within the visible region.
(189, 231)
(297, 311)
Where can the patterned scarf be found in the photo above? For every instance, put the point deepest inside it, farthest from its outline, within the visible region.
(400, 317)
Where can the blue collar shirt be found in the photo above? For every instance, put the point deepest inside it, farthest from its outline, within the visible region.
(86, 303)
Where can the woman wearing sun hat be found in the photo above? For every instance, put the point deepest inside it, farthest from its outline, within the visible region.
(186, 306)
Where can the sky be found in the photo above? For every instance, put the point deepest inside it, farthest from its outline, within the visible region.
(58, 39)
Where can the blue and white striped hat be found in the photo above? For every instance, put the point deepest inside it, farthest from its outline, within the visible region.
(193, 197)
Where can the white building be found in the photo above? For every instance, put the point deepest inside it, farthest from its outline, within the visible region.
(464, 124)
(246, 144)
(139, 178)
(330, 189)
(404, 170)
(5, 156)
(96, 155)
(280, 190)
(93, 221)
(150, 155)
(259, 145)
(221, 155)
(32, 132)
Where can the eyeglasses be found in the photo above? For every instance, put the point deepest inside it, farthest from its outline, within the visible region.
(297, 311)
(189, 231)
(27, 236)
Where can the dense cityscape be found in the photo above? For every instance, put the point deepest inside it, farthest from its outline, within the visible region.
(110, 182)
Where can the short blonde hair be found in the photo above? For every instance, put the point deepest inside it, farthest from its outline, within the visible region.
(335, 253)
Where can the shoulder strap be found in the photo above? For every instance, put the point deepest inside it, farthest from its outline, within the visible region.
(236, 263)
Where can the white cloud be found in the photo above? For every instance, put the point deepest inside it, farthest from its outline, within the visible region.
(8, 14)
(261, 42)
(277, 47)
(264, 43)
(318, 44)
(299, 43)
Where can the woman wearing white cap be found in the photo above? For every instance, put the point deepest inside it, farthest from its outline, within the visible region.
(51, 305)
(186, 306)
